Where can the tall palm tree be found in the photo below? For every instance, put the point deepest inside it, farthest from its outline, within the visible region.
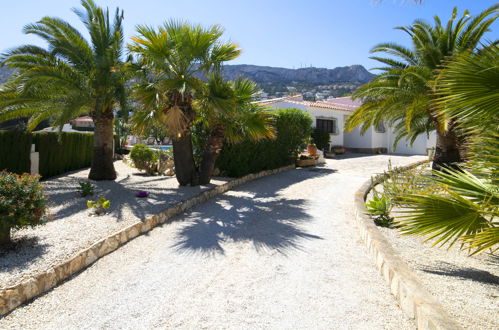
(227, 110)
(72, 76)
(171, 61)
(404, 93)
(464, 205)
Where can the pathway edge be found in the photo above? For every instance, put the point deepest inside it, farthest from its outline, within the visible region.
(413, 298)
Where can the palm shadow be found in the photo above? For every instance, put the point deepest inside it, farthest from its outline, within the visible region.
(66, 202)
(466, 273)
(255, 213)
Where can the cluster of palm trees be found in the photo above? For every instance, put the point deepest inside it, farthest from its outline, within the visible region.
(447, 81)
(171, 79)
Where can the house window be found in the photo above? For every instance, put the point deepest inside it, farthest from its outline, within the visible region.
(327, 125)
(380, 128)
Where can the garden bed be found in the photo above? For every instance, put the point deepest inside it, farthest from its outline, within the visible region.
(71, 228)
(466, 286)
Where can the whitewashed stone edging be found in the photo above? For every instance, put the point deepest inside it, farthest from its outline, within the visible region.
(414, 300)
(13, 296)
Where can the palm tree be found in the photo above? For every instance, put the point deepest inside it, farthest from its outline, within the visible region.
(464, 205)
(227, 111)
(404, 93)
(171, 61)
(71, 77)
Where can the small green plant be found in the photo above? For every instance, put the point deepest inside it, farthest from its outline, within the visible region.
(379, 207)
(86, 188)
(144, 158)
(100, 206)
(22, 203)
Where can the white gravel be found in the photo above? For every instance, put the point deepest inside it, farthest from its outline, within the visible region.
(280, 252)
(467, 287)
(71, 229)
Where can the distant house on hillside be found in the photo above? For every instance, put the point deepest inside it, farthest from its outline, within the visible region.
(331, 114)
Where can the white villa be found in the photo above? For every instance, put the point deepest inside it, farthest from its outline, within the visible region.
(331, 114)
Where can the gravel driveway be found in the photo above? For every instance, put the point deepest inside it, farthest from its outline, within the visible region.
(280, 252)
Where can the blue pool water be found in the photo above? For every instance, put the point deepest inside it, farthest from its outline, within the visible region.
(164, 147)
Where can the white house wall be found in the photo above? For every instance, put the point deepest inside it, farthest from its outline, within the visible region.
(370, 140)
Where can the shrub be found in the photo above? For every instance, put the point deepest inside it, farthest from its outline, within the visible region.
(86, 188)
(144, 158)
(22, 203)
(321, 138)
(293, 128)
(15, 149)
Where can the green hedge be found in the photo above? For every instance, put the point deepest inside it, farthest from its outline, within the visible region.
(60, 153)
(293, 129)
(15, 148)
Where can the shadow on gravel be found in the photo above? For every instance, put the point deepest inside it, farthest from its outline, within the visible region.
(21, 252)
(121, 193)
(467, 273)
(254, 213)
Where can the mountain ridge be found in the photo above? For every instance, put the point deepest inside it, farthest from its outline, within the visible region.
(309, 75)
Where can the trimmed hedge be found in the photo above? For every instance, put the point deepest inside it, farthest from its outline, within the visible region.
(293, 128)
(63, 152)
(59, 152)
(15, 148)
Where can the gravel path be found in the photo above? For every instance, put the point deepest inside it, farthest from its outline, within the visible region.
(280, 252)
(71, 229)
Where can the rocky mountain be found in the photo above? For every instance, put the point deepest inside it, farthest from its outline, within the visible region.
(311, 76)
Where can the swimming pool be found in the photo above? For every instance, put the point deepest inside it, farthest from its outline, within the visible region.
(162, 147)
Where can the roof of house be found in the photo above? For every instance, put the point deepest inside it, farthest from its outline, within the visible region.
(83, 118)
(280, 99)
(339, 103)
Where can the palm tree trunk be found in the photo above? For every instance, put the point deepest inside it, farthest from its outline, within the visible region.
(185, 167)
(102, 161)
(211, 152)
(447, 151)
(4, 235)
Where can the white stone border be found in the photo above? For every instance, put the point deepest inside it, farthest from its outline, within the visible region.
(13, 296)
(414, 300)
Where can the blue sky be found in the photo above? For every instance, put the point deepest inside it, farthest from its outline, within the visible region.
(292, 33)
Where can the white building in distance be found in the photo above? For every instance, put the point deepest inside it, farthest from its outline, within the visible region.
(331, 114)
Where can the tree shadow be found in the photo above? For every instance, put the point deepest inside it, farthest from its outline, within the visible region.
(21, 252)
(255, 213)
(467, 273)
(65, 201)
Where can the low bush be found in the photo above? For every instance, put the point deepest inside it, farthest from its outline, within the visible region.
(293, 128)
(22, 203)
(144, 158)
